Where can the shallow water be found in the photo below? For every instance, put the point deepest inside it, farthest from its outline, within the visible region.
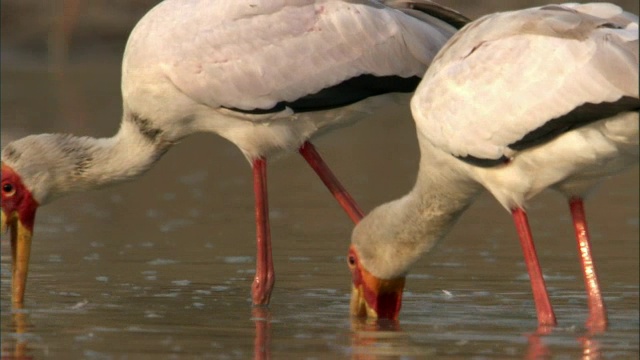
(162, 267)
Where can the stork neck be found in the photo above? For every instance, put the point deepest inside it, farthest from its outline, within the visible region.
(88, 163)
(394, 235)
(132, 151)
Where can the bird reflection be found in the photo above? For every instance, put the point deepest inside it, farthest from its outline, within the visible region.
(17, 348)
(537, 349)
(377, 339)
(591, 346)
(262, 342)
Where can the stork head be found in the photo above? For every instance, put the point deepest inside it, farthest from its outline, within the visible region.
(384, 245)
(18, 215)
(372, 296)
(27, 165)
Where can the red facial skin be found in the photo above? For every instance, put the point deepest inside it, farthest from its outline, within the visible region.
(18, 215)
(17, 199)
(383, 296)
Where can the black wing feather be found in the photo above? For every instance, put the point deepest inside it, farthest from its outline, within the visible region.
(345, 93)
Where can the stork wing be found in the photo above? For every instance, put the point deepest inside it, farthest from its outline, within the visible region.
(254, 54)
(512, 80)
(426, 9)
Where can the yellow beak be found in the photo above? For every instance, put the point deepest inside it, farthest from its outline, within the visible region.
(359, 306)
(20, 252)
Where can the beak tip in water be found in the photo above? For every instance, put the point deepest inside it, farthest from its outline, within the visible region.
(4, 227)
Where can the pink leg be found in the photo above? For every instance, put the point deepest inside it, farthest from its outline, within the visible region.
(597, 312)
(265, 276)
(308, 151)
(546, 317)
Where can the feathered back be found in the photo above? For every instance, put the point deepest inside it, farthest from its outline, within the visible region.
(262, 51)
(507, 74)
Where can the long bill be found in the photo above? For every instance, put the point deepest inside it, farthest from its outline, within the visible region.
(20, 252)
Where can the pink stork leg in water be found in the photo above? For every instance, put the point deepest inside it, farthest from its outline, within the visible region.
(265, 274)
(597, 320)
(544, 310)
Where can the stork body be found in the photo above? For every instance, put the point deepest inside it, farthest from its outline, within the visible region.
(515, 103)
(266, 75)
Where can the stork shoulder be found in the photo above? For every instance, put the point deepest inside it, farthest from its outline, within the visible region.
(506, 77)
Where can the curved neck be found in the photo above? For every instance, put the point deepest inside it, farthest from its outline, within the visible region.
(88, 163)
(394, 235)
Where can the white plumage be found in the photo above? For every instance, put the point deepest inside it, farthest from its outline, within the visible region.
(254, 54)
(486, 92)
(515, 102)
(486, 73)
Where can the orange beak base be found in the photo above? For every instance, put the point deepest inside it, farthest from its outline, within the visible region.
(18, 215)
(371, 296)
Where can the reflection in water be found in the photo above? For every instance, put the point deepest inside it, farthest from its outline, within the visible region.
(537, 349)
(17, 348)
(374, 339)
(262, 342)
(370, 340)
(590, 347)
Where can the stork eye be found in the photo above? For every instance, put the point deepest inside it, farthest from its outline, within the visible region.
(8, 189)
(351, 260)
